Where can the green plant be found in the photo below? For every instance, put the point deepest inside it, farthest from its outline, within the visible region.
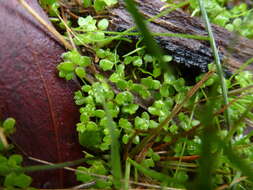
(237, 19)
(9, 161)
(166, 131)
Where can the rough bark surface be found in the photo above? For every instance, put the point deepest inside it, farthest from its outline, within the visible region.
(193, 54)
(31, 92)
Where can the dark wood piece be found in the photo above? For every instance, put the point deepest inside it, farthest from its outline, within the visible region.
(193, 54)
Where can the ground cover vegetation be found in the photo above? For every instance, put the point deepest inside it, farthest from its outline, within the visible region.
(142, 124)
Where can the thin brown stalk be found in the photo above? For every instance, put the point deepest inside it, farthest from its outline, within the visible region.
(64, 21)
(3, 138)
(49, 27)
(72, 14)
(68, 168)
(226, 186)
(68, 29)
(106, 177)
(78, 2)
(181, 158)
(85, 185)
(240, 90)
(225, 107)
(247, 89)
(176, 137)
(145, 143)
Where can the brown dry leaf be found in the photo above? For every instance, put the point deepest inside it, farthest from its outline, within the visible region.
(31, 92)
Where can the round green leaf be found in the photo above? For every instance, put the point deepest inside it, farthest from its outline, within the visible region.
(103, 24)
(105, 64)
(8, 125)
(66, 66)
(80, 72)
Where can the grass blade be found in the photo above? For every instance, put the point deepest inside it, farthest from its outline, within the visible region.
(148, 39)
(174, 112)
(115, 155)
(127, 175)
(217, 60)
(151, 173)
(167, 11)
(241, 164)
(208, 156)
(168, 34)
(47, 167)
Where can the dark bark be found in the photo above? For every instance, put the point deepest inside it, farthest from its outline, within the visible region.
(193, 54)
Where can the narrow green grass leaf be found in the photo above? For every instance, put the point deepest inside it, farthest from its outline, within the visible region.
(217, 60)
(167, 11)
(148, 39)
(242, 67)
(115, 155)
(238, 122)
(127, 175)
(241, 164)
(168, 119)
(168, 34)
(209, 149)
(47, 167)
(164, 12)
(151, 173)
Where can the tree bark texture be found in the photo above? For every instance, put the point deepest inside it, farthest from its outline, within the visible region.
(193, 54)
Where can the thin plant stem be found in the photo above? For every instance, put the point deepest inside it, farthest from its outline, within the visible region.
(242, 67)
(103, 177)
(3, 138)
(180, 160)
(47, 167)
(237, 123)
(68, 30)
(166, 34)
(69, 168)
(115, 155)
(217, 61)
(174, 112)
(149, 41)
(127, 174)
(167, 11)
(85, 185)
(226, 186)
(163, 13)
(49, 27)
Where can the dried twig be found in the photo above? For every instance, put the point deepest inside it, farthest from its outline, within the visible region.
(3, 138)
(49, 27)
(106, 177)
(145, 143)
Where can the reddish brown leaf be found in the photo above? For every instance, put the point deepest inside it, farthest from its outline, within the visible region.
(31, 92)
